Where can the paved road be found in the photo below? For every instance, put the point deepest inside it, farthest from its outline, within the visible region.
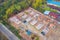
(7, 33)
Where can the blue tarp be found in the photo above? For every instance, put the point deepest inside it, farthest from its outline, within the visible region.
(28, 32)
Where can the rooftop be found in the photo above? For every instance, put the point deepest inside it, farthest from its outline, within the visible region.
(33, 20)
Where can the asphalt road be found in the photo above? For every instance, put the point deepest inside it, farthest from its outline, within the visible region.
(8, 33)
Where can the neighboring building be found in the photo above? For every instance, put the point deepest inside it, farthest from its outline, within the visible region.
(51, 14)
(54, 15)
(54, 7)
(33, 24)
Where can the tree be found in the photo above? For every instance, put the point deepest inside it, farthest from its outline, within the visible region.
(23, 4)
(9, 11)
(36, 3)
(29, 2)
(17, 7)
